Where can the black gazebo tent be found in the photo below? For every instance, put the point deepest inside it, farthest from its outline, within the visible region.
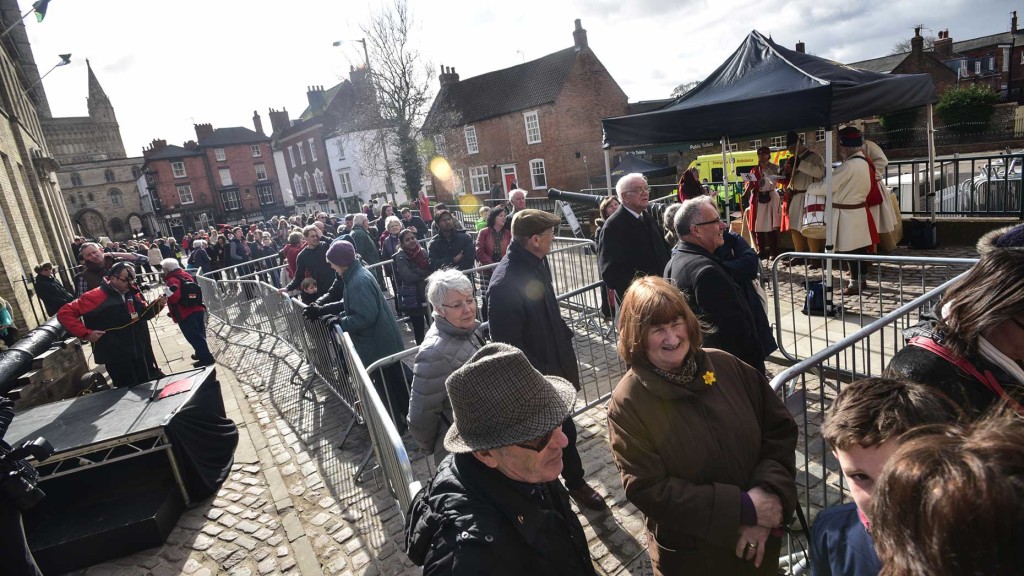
(764, 87)
(631, 164)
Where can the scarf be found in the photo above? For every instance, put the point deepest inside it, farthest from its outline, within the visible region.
(683, 375)
(418, 256)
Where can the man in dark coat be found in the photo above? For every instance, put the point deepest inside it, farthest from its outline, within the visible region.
(451, 248)
(414, 223)
(632, 242)
(495, 505)
(523, 312)
(312, 261)
(708, 285)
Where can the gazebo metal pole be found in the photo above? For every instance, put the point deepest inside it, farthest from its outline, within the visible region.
(725, 183)
(608, 170)
(830, 232)
(931, 162)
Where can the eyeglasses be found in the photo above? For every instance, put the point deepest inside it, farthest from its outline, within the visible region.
(540, 443)
(467, 303)
(715, 221)
(127, 278)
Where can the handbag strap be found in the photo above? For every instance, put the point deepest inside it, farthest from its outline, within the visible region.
(986, 377)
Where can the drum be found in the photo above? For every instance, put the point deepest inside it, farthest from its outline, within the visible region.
(812, 225)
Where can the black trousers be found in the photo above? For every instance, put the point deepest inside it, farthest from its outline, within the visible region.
(123, 374)
(572, 464)
(393, 392)
(15, 556)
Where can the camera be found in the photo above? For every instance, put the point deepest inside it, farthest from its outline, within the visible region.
(19, 481)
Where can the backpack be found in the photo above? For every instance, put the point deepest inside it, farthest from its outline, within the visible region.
(191, 294)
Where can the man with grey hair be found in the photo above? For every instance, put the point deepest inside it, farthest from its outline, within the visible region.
(632, 242)
(495, 505)
(517, 199)
(187, 311)
(708, 285)
(96, 263)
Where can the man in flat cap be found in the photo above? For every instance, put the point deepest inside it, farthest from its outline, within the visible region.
(495, 505)
(802, 169)
(524, 312)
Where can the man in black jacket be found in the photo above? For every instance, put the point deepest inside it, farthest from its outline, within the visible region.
(523, 312)
(495, 505)
(312, 261)
(632, 242)
(451, 248)
(414, 223)
(709, 286)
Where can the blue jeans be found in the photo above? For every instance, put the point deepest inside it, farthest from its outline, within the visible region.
(194, 330)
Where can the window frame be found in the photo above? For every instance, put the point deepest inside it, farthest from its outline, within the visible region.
(255, 151)
(257, 168)
(265, 193)
(220, 155)
(297, 185)
(220, 174)
(481, 175)
(472, 143)
(527, 116)
(345, 183)
(543, 173)
(76, 179)
(318, 181)
(312, 150)
(185, 188)
(178, 170)
(231, 194)
(291, 157)
(116, 197)
(302, 153)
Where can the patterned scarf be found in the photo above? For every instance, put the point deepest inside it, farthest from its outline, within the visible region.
(684, 375)
(418, 256)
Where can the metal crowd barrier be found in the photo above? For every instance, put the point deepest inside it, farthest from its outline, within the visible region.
(811, 385)
(387, 443)
(892, 282)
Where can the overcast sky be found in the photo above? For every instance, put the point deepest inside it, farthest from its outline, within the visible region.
(168, 64)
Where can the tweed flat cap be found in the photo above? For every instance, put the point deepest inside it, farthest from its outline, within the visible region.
(499, 399)
(528, 222)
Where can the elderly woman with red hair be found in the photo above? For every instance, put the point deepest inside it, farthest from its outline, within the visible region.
(705, 448)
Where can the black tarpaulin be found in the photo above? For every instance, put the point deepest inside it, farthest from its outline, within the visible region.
(763, 88)
(631, 164)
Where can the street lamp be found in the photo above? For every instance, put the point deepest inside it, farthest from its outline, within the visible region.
(65, 59)
(366, 54)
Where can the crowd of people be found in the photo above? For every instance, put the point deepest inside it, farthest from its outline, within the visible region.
(704, 447)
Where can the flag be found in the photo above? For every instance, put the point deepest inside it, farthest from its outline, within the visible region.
(40, 8)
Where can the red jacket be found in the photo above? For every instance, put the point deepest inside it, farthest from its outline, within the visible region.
(175, 308)
(106, 309)
(485, 241)
(290, 253)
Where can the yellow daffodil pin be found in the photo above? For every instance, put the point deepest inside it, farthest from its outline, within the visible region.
(709, 377)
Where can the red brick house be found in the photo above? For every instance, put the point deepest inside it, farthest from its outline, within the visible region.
(534, 124)
(224, 177)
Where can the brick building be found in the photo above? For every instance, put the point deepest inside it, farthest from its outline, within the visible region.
(227, 174)
(34, 223)
(530, 125)
(322, 146)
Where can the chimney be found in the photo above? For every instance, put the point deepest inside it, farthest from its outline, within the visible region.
(317, 101)
(1013, 22)
(943, 46)
(800, 47)
(203, 131)
(579, 37)
(156, 146)
(448, 76)
(279, 120)
(917, 42)
(191, 144)
(257, 121)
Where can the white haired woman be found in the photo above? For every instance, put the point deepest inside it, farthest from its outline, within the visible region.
(448, 345)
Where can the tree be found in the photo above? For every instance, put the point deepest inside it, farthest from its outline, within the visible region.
(401, 80)
(903, 46)
(683, 88)
(967, 108)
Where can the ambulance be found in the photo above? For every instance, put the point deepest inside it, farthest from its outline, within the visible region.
(709, 168)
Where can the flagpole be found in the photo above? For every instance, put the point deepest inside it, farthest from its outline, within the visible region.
(19, 20)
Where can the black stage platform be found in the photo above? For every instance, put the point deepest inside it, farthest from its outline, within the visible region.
(126, 463)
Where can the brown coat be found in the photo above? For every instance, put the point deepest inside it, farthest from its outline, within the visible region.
(686, 452)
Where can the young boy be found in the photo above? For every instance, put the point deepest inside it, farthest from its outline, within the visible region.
(309, 290)
(863, 428)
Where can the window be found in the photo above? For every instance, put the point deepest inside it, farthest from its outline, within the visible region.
(178, 169)
(219, 153)
(302, 153)
(346, 183)
(297, 185)
(185, 194)
(819, 135)
(439, 143)
(312, 150)
(341, 150)
(230, 199)
(733, 147)
(318, 179)
(225, 176)
(136, 173)
(471, 144)
(91, 197)
(977, 66)
(76, 179)
(479, 179)
(540, 178)
(291, 156)
(116, 226)
(108, 175)
(71, 200)
(755, 144)
(203, 220)
(155, 199)
(115, 197)
(261, 171)
(778, 141)
(308, 187)
(532, 127)
(255, 150)
(266, 194)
